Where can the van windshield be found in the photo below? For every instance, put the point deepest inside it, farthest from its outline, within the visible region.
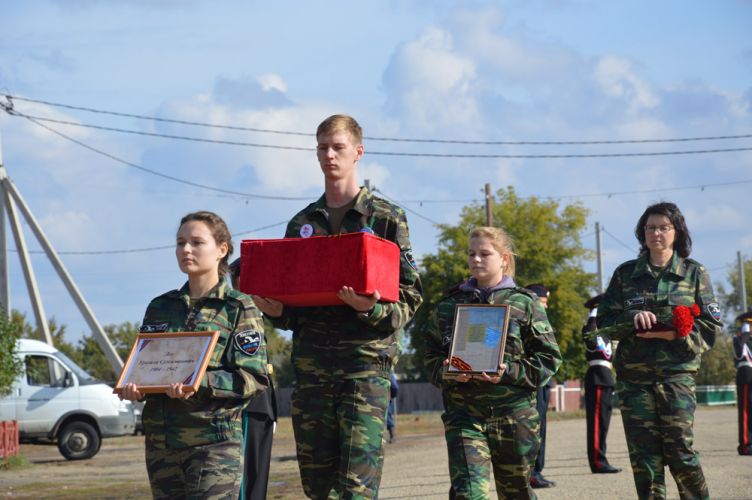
(83, 377)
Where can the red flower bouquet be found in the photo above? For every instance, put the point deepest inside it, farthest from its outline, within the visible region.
(684, 319)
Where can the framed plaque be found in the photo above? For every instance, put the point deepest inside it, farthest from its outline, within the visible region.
(478, 337)
(158, 360)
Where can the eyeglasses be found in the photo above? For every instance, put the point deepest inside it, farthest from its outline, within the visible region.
(659, 229)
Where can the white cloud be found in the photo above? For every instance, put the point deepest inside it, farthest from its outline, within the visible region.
(425, 72)
(617, 79)
(271, 81)
(376, 173)
(512, 54)
(715, 216)
(72, 229)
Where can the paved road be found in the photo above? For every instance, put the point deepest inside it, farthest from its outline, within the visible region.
(420, 470)
(415, 466)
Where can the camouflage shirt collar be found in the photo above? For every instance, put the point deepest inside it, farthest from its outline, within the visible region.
(363, 203)
(218, 292)
(675, 267)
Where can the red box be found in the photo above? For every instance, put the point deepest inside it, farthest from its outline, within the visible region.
(310, 271)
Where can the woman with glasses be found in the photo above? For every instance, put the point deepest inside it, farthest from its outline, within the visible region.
(655, 361)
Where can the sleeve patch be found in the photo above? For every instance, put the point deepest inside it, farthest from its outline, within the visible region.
(248, 342)
(714, 310)
(411, 260)
(635, 301)
(154, 328)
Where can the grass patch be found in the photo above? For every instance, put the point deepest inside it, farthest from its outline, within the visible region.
(120, 490)
(14, 463)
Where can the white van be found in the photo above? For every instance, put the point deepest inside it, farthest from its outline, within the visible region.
(54, 399)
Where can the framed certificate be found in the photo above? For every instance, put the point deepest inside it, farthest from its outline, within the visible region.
(478, 337)
(158, 360)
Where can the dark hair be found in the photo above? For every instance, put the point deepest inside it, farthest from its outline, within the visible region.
(219, 232)
(682, 239)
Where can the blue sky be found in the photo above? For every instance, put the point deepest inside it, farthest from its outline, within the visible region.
(470, 70)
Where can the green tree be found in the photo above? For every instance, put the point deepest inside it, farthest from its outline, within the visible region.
(57, 332)
(548, 250)
(90, 356)
(731, 300)
(717, 366)
(279, 350)
(10, 367)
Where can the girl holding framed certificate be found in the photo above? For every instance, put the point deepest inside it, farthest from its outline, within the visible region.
(193, 438)
(490, 419)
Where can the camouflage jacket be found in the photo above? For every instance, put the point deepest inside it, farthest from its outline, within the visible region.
(337, 341)
(531, 353)
(634, 287)
(237, 369)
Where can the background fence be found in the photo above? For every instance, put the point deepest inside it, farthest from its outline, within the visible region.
(8, 439)
(417, 397)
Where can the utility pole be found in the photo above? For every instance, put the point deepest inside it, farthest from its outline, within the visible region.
(10, 198)
(489, 205)
(599, 251)
(742, 284)
(4, 282)
(367, 184)
(23, 255)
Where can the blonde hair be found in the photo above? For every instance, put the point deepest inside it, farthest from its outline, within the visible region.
(341, 123)
(501, 241)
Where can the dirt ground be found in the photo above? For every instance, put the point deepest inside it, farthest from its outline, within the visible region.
(415, 465)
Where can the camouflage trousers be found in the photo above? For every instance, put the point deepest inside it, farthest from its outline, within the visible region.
(210, 471)
(339, 435)
(508, 443)
(658, 419)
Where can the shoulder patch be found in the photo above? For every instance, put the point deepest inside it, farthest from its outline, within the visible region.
(714, 310)
(154, 328)
(248, 342)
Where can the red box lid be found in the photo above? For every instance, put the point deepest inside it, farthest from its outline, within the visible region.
(310, 271)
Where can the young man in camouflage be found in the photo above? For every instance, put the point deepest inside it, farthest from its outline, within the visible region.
(343, 355)
(655, 365)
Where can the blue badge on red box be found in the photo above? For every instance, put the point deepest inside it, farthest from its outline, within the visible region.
(248, 342)
(367, 230)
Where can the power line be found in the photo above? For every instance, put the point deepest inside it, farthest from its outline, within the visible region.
(37, 119)
(159, 174)
(631, 249)
(387, 153)
(149, 249)
(292, 198)
(372, 138)
(435, 223)
(701, 187)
